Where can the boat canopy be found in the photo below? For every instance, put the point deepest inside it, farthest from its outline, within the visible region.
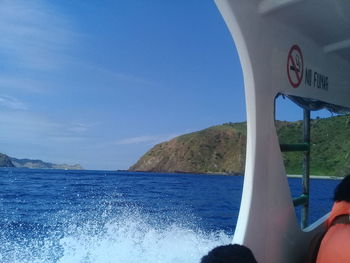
(327, 23)
(315, 105)
(301, 49)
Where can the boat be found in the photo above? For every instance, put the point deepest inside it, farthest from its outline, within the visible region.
(299, 49)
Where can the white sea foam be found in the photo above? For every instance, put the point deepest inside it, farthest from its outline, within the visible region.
(129, 238)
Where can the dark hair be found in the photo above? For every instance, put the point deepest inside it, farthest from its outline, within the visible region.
(342, 191)
(229, 254)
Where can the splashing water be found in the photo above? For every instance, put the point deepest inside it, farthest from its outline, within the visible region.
(131, 237)
(99, 217)
(117, 217)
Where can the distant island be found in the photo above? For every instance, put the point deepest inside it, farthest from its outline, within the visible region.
(6, 161)
(221, 149)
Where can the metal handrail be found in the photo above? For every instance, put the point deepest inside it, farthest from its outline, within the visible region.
(295, 147)
(303, 199)
(306, 172)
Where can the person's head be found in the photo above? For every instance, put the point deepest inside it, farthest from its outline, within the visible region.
(229, 254)
(342, 191)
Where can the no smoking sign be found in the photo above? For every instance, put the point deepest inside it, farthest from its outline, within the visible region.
(295, 66)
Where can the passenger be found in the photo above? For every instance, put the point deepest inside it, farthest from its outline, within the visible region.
(229, 254)
(335, 245)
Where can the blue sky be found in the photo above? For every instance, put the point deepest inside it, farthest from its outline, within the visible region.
(100, 82)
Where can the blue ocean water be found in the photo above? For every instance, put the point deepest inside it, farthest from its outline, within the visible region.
(99, 216)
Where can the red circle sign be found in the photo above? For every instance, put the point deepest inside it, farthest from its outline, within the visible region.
(295, 66)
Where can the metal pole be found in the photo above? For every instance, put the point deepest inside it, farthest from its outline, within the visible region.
(306, 168)
(274, 109)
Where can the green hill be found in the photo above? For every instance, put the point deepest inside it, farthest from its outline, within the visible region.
(216, 149)
(221, 149)
(330, 146)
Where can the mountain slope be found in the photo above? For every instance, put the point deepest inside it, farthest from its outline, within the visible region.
(38, 164)
(216, 149)
(221, 149)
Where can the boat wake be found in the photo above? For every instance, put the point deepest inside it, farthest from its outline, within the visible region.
(129, 237)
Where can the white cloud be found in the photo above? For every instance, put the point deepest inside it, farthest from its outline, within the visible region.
(35, 38)
(146, 139)
(139, 139)
(27, 135)
(26, 127)
(79, 127)
(11, 103)
(115, 76)
(33, 35)
(13, 82)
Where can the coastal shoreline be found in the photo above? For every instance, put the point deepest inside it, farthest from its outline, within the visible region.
(316, 177)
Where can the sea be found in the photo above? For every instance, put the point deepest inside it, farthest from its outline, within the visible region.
(124, 217)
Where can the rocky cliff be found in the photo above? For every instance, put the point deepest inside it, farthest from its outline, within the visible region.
(5, 161)
(219, 149)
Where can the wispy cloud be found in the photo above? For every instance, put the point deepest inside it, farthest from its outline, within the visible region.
(11, 103)
(14, 82)
(26, 127)
(27, 135)
(79, 127)
(146, 139)
(115, 76)
(33, 35)
(37, 37)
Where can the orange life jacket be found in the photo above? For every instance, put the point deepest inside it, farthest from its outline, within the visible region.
(335, 245)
